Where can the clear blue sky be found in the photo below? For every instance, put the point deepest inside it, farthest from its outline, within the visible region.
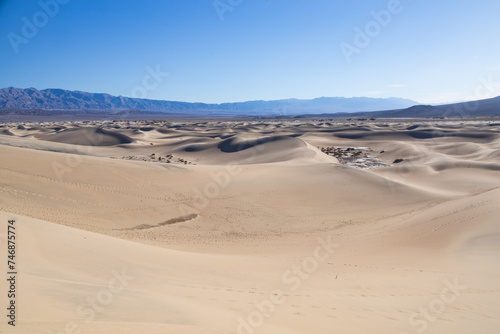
(428, 51)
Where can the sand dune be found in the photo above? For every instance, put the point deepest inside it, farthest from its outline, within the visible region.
(248, 227)
(87, 136)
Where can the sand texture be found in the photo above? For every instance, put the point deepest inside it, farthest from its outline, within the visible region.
(253, 226)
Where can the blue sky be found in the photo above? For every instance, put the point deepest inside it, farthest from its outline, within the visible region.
(238, 50)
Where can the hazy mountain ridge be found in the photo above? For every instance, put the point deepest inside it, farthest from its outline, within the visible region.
(58, 99)
(480, 108)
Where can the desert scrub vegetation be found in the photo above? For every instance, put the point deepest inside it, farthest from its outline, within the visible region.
(153, 157)
(357, 157)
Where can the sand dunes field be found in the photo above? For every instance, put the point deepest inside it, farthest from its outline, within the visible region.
(249, 227)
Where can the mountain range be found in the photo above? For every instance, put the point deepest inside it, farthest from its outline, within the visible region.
(31, 99)
(471, 109)
(58, 102)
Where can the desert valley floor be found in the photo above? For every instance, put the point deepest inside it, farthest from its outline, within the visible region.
(253, 226)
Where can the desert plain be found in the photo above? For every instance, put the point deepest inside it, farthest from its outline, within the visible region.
(252, 226)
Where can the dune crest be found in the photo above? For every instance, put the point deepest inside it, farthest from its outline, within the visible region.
(87, 136)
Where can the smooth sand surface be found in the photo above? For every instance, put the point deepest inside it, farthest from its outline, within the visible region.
(250, 228)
